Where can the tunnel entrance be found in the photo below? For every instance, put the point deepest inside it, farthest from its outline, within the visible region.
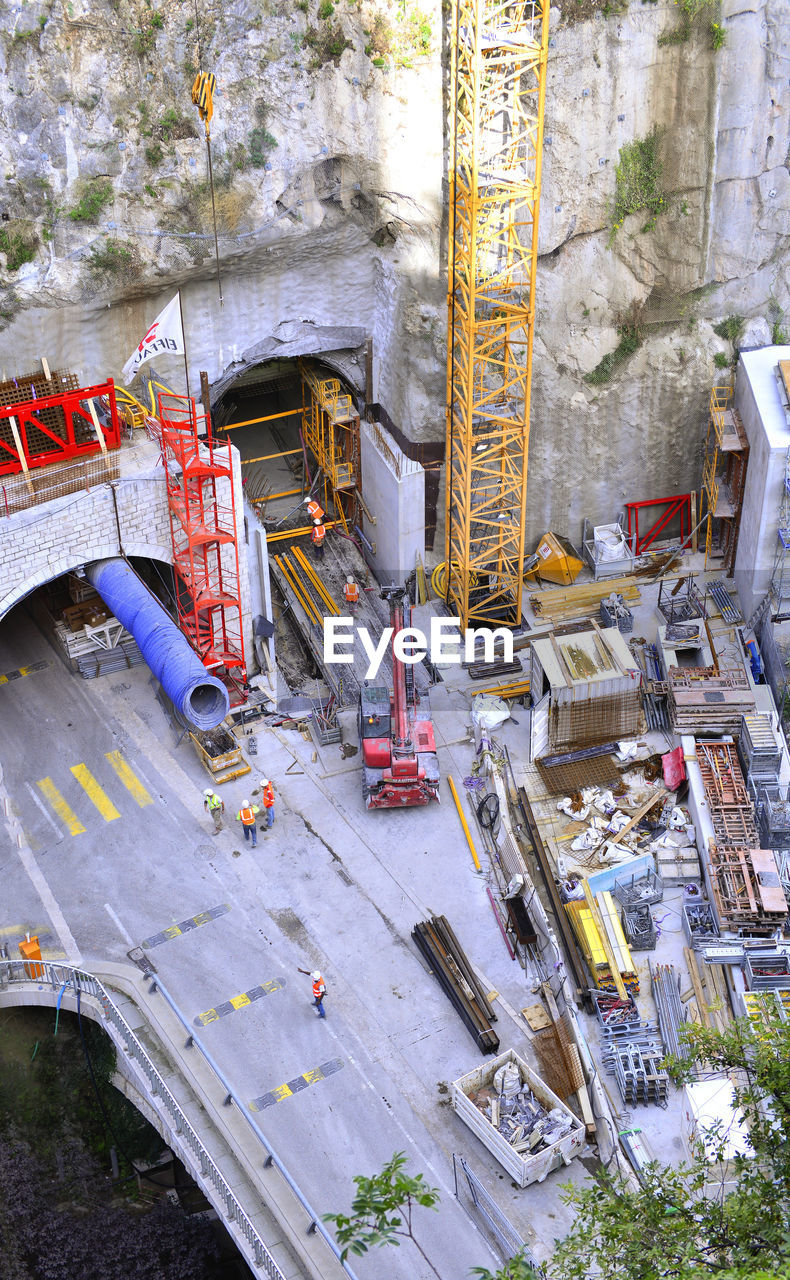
(295, 423)
(78, 624)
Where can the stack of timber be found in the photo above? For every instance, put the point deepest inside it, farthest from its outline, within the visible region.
(582, 600)
(706, 700)
(437, 942)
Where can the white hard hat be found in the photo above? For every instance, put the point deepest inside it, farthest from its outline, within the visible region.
(264, 782)
(349, 577)
(208, 792)
(315, 976)
(316, 521)
(307, 499)
(245, 804)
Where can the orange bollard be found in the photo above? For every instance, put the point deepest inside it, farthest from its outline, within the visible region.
(30, 950)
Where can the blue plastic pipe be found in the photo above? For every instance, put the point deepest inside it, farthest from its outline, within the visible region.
(198, 695)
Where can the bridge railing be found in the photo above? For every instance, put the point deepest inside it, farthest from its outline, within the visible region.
(62, 978)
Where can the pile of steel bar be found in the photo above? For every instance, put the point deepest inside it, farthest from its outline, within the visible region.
(482, 670)
(332, 607)
(654, 688)
(438, 944)
(671, 1014)
(508, 691)
(724, 602)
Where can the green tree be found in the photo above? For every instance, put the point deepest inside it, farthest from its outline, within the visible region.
(381, 1211)
(678, 1223)
(517, 1268)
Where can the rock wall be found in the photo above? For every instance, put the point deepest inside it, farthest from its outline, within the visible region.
(329, 153)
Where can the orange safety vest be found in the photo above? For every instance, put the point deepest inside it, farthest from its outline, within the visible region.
(317, 534)
(351, 592)
(268, 796)
(248, 817)
(318, 989)
(314, 510)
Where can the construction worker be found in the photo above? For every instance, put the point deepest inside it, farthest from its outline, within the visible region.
(351, 593)
(246, 816)
(319, 991)
(267, 796)
(216, 807)
(317, 535)
(314, 509)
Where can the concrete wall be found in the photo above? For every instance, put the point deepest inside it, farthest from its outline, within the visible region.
(43, 542)
(394, 489)
(757, 401)
(48, 540)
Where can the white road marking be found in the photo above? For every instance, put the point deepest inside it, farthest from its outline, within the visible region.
(40, 804)
(118, 924)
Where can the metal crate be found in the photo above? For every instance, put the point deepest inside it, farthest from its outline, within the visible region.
(699, 923)
(639, 927)
(632, 890)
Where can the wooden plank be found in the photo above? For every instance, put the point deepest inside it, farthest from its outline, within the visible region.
(640, 813)
(691, 964)
(22, 458)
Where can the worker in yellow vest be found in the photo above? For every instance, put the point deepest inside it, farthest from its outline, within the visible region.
(314, 509)
(317, 535)
(267, 796)
(351, 593)
(246, 816)
(216, 807)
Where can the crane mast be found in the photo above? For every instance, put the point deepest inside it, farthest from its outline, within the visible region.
(499, 51)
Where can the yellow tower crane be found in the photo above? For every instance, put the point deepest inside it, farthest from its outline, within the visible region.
(499, 52)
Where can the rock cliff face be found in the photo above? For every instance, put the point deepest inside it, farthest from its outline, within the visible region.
(329, 151)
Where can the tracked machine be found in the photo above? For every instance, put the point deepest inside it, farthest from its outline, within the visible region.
(399, 760)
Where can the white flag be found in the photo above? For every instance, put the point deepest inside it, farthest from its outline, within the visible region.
(165, 337)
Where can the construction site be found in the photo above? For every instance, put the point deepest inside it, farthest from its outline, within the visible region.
(493, 733)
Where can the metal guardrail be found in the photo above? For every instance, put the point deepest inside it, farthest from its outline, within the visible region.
(272, 1158)
(64, 977)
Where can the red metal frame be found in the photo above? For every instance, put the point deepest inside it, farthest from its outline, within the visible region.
(679, 505)
(205, 542)
(64, 447)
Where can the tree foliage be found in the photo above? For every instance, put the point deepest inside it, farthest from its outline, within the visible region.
(686, 1222)
(381, 1211)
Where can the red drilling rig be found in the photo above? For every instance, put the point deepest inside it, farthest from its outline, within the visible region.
(400, 764)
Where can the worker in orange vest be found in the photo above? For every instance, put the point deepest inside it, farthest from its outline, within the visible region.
(319, 991)
(351, 593)
(267, 796)
(317, 535)
(246, 816)
(314, 509)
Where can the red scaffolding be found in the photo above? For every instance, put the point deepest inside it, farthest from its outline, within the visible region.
(49, 419)
(205, 543)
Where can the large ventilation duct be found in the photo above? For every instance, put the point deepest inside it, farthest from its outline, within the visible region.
(199, 696)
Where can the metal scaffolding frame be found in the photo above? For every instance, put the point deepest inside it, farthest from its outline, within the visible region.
(499, 50)
(724, 477)
(330, 425)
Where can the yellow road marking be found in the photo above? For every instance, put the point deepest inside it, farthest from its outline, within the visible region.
(50, 792)
(128, 778)
(94, 792)
(239, 1002)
